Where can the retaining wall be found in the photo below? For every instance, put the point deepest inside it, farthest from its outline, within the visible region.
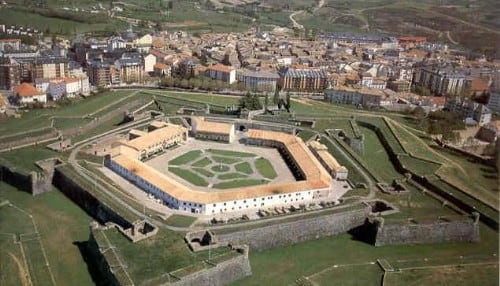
(32, 182)
(296, 231)
(438, 232)
(87, 201)
(223, 273)
(428, 184)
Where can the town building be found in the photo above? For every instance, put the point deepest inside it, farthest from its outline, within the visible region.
(336, 170)
(472, 112)
(3, 104)
(215, 131)
(367, 97)
(10, 73)
(25, 93)
(149, 63)
(441, 81)
(303, 79)
(162, 70)
(259, 80)
(223, 73)
(50, 67)
(494, 101)
(159, 138)
(10, 44)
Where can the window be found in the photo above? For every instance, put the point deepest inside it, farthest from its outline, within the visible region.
(215, 205)
(224, 203)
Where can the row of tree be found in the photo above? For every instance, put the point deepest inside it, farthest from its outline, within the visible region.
(252, 102)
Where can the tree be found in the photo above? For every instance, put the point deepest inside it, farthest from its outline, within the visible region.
(287, 103)
(276, 97)
(250, 102)
(266, 101)
(170, 5)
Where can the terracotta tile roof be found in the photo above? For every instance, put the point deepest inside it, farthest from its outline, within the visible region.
(158, 43)
(316, 175)
(160, 66)
(10, 40)
(221, 68)
(212, 127)
(478, 84)
(26, 90)
(157, 53)
(70, 80)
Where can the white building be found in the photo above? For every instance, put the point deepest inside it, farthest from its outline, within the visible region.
(149, 63)
(260, 80)
(223, 73)
(315, 181)
(25, 93)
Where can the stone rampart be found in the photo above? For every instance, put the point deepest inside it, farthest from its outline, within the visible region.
(15, 177)
(32, 182)
(223, 273)
(436, 232)
(92, 205)
(296, 231)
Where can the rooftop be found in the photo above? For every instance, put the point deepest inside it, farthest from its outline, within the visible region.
(212, 127)
(26, 90)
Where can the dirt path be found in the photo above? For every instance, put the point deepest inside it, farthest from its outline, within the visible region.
(295, 23)
(321, 3)
(450, 38)
(24, 275)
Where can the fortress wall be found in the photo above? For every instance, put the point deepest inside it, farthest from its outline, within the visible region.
(297, 231)
(223, 273)
(97, 209)
(437, 232)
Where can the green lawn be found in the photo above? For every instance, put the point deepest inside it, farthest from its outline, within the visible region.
(307, 258)
(186, 158)
(413, 146)
(244, 167)
(56, 25)
(420, 167)
(38, 118)
(265, 168)
(12, 264)
(39, 271)
(306, 135)
(63, 229)
(230, 176)
(239, 183)
(225, 160)
(203, 172)
(189, 176)
(472, 275)
(151, 258)
(377, 158)
(180, 220)
(25, 158)
(202, 163)
(231, 153)
(220, 168)
(350, 275)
